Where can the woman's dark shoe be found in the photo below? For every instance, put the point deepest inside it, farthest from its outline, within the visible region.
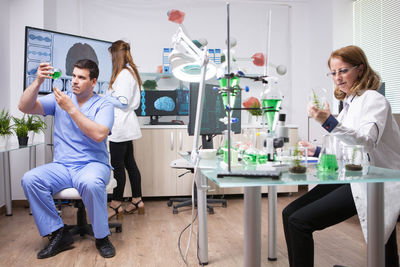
(118, 212)
(60, 240)
(133, 207)
(105, 248)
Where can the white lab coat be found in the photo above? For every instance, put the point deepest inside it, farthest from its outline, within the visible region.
(126, 124)
(367, 120)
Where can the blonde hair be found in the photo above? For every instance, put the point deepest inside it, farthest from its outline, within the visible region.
(354, 55)
(120, 57)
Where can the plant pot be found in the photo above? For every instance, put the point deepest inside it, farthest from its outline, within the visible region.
(31, 135)
(23, 141)
(3, 141)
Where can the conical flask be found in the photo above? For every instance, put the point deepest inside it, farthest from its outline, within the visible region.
(327, 161)
(271, 101)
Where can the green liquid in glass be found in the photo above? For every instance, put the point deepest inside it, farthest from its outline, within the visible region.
(223, 82)
(56, 75)
(328, 163)
(224, 96)
(271, 108)
(262, 159)
(250, 158)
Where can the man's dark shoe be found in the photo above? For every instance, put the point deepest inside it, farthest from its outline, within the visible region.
(105, 247)
(60, 240)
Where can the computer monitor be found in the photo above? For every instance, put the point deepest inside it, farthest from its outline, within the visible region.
(213, 111)
(156, 103)
(62, 51)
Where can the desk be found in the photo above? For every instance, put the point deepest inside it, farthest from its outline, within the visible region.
(6, 169)
(374, 176)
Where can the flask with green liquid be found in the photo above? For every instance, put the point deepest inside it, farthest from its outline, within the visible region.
(56, 74)
(327, 161)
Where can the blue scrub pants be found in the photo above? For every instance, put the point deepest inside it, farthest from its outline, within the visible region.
(41, 183)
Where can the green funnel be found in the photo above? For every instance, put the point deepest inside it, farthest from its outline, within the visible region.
(271, 108)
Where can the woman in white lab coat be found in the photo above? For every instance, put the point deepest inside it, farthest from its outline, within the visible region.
(367, 120)
(124, 92)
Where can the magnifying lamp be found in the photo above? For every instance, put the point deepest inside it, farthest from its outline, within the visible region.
(191, 64)
(186, 59)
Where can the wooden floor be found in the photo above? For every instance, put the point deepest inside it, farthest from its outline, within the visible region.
(151, 239)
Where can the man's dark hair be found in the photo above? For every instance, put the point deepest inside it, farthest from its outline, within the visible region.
(89, 65)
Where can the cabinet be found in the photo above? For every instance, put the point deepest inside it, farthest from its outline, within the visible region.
(154, 153)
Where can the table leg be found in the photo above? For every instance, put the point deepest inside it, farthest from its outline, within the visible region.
(202, 250)
(7, 182)
(272, 211)
(252, 226)
(375, 225)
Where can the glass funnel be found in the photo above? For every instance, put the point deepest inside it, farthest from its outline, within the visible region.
(271, 101)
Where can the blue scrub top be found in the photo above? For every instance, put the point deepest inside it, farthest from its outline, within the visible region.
(71, 145)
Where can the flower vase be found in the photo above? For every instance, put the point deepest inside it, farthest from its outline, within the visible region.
(3, 141)
(31, 135)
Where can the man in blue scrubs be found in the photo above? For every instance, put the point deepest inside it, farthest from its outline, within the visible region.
(82, 122)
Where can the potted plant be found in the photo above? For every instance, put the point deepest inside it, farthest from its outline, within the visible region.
(353, 158)
(296, 166)
(21, 130)
(5, 127)
(35, 125)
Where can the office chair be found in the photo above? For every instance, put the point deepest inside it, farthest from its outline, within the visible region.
(187, 201)
(82, 227)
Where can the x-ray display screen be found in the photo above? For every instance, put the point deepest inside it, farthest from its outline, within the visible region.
(62, 51)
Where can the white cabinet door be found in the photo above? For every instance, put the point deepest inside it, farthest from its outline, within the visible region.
(153, 154)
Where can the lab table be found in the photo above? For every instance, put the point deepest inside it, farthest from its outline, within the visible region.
(373, 176)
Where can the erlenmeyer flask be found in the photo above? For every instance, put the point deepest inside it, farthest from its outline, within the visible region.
(327, 161)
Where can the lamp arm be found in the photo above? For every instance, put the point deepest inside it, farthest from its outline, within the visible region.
(199, 108)
(181, 34)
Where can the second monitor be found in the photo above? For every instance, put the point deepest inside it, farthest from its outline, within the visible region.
(213, 111)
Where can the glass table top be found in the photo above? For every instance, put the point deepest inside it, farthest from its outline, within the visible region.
(15, 146)
(211, 168)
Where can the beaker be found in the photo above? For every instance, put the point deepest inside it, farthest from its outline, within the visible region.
(298, 159)
(56, 74)
(353, 157)
(327, 161)
(318, 97)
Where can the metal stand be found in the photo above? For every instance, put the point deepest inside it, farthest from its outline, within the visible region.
(7, 182)
(375, 225)
(252, 226)
(202, 250)
(272, 210)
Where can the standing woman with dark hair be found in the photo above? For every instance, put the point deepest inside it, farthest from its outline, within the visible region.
(124, 92)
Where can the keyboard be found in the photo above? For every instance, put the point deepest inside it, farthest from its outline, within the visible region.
(251, 174)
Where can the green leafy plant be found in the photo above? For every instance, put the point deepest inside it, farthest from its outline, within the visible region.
(35, 123)
(150, 85)
(296, 166)
(315, 99)
(20, 127)
(5, 123)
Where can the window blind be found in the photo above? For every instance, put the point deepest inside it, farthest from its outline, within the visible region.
(377, 32)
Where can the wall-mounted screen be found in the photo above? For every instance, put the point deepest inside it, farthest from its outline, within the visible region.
(62, 51)
(213, 111)
(163, 103)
